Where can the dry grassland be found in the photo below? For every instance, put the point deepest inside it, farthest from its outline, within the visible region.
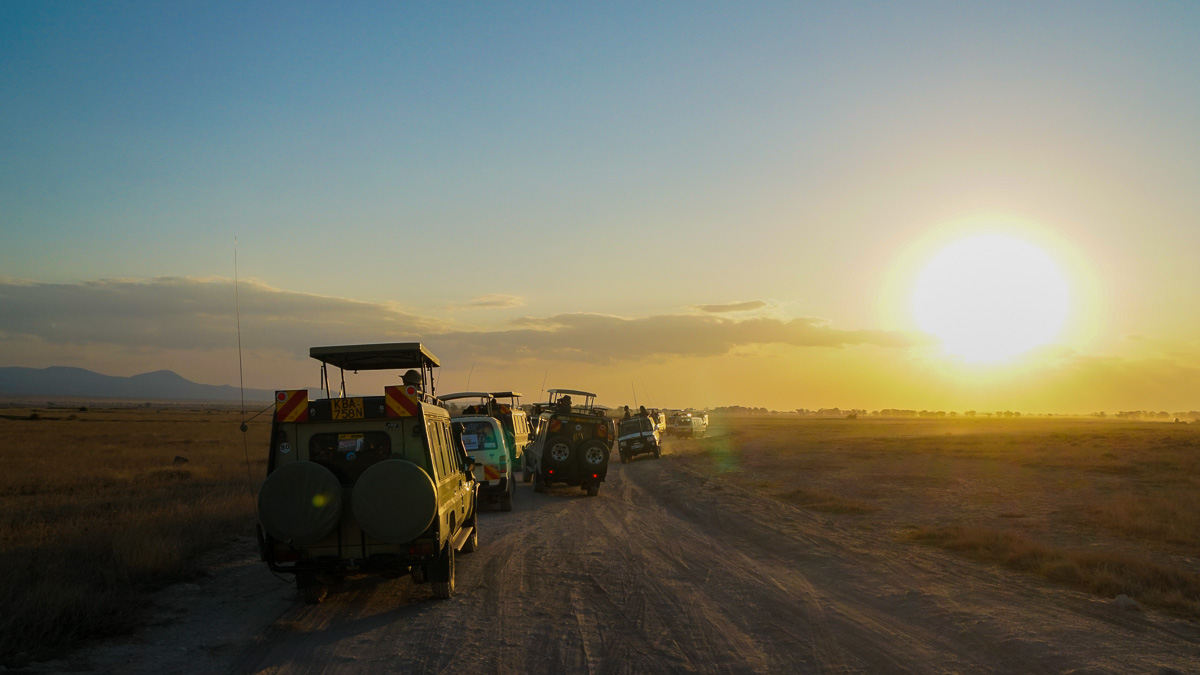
(1107, 507)
(95, 514)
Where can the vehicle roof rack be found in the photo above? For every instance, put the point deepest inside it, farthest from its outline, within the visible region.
(386, 356)
(466, 394)
(571, 391)
(383, 356)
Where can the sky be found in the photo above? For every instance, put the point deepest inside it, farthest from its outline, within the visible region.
(690, 204)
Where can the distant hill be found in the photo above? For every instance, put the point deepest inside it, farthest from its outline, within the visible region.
(158, 385)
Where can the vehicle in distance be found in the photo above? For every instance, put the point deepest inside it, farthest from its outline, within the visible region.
(688, 424)
(572, 443)
(478, 427)
(367, 484)
(638, 435)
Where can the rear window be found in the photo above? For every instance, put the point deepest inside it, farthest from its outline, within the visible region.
(634, 425)
(348, 455)
(478, 436)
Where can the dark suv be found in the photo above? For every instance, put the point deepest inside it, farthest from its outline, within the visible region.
(572, 443)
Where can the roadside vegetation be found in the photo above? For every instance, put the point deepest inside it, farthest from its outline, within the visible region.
(1111, 507)
(96, 513)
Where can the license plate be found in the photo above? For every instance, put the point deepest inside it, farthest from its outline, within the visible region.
(637, 445)
(347, 408)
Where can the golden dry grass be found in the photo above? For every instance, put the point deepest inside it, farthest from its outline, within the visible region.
(1105, 506)
(95, 514)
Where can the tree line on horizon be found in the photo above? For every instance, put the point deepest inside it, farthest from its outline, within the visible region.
(1133, 415)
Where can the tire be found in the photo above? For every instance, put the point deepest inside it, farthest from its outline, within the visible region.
(526, 473)
(506, 500)
(310, 590)
(539, 484)
(593, 489)
(657, 451)
(443, 575)
(624, 458)
(558, 453)
(593, 456)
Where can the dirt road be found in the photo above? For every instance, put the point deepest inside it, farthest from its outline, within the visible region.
(669, 570)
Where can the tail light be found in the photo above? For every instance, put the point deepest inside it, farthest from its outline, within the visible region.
(420, 549)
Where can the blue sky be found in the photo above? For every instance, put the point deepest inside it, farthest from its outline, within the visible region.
(624, 159)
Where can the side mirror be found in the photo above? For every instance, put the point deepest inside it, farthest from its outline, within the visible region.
(469, 464)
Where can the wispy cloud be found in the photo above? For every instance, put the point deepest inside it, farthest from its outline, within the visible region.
(602, 338)
(491, 301)
(747, 306)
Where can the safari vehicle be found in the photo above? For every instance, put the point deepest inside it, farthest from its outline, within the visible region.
(367, 484)
(515, 421)
(482, 434)
(572, 443)
(688, 424)
(639, 435)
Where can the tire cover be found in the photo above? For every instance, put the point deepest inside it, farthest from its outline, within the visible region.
(300, 503)
(394, 501)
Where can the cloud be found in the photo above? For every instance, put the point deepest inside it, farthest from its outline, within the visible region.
(491, 301)
(198, 314)
(731, 307)
(171, 313)
(599, 338)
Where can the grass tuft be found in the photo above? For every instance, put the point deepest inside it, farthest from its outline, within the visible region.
(826, 502)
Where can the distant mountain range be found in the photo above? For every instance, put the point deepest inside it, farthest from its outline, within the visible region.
(159, 385)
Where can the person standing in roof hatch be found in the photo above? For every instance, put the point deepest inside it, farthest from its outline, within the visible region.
(564, 404)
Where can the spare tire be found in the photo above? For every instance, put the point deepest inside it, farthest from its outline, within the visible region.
(593, 455)
(300, 503)
(394, 501)
(557, 453)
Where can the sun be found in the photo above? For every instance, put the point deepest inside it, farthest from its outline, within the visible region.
(991, 297)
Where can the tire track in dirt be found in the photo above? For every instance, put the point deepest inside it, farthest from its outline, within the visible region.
(670, 570)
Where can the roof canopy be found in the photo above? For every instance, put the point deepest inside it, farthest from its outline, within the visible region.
(571, 391)
(388, 356)
(465, 394)
(506, 394)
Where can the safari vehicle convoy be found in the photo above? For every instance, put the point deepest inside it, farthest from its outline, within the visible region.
(572, 443)
(688, 424)
(495, 435)
(368, 484)
(638, 435)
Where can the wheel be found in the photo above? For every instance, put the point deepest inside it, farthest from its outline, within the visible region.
(472, 542)
(557, 454)
(539, 484)
(657, 451)
(593, 488)
(624, 458)
(506, 499)
(443, 574)
(310, 590)
(526, 473)
(593, 455)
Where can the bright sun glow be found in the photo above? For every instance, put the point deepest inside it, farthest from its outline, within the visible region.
(991, 297)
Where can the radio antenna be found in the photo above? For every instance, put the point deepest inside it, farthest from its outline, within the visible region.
(472, 372)
(635, 403)
(547, 374)
(237, 312)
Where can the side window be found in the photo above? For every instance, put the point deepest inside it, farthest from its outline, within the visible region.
(435, 433)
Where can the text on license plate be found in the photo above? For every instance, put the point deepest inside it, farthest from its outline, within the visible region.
(347, 408)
